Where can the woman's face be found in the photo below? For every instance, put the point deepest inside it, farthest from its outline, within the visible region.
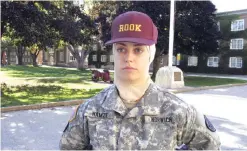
(131, 61)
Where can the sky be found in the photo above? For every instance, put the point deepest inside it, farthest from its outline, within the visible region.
(229, 5)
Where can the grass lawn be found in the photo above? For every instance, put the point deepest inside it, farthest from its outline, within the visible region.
(44, 84)
(26, 94)
(208, 81)
(30, 71)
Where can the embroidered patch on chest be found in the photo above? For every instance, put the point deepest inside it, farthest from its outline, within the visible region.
(101, 115)
(161, 120)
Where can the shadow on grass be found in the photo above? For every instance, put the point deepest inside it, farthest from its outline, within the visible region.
(30, 71)
(82, 80)
(25, 95)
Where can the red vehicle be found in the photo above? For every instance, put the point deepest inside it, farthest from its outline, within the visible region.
(105, 76)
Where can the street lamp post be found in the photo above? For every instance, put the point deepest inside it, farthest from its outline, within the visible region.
(171, 33)
(170, 76)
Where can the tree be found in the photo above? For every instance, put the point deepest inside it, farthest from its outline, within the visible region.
(196, 30)
(29, 25)
(75, 29)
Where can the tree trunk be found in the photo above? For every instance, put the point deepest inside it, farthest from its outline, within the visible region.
(80, 59)
(200, 63)
(156, 66)
(80, 63)
(19, 53)
(2, 57)
(34, 57)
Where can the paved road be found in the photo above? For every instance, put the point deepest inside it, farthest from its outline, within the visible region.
(227, 109)
(41, 129)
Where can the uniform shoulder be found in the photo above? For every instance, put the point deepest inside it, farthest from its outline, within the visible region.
(171, 102)
(97, 99)
(166, 95)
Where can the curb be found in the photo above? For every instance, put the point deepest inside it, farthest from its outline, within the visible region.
(77, 102)
(40, 106)
(206, 88)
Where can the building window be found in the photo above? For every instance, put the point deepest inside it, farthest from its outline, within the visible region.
(237, 25)
(213, 61)
(192, 61)
(71, 57)
(61, 56)
(235, 62)
(111, 58)
(103, 58)
(237, 43)
(46, 55)
(94, 57)
(94, 47)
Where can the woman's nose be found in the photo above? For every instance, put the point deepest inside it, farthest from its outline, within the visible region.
(129, 57)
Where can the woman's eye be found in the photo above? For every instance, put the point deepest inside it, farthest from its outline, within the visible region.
(121, 50)
(138, 50)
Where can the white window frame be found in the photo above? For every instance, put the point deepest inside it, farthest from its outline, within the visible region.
(192, 61)
(71, 58)
(61, 56)
(111, 58)
(236, 25)
(94, 47)
(235, 62)
(46, 56)
(213, 62)
(103, 58)
(94, 57)
(237, 44)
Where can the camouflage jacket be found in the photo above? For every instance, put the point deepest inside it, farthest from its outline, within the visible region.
(159, 121)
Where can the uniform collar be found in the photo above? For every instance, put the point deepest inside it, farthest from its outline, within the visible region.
(113, 102)
(148, 105)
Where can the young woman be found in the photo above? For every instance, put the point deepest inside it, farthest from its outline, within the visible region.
(134, 113)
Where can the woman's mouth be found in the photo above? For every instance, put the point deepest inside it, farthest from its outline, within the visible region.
(129, 68)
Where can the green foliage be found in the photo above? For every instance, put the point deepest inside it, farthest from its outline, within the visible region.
(196, 30)
(28, 22)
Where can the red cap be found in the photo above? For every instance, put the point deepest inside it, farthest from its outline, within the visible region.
(134, 27)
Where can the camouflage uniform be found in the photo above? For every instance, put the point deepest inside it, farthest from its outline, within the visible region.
(160, 121)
